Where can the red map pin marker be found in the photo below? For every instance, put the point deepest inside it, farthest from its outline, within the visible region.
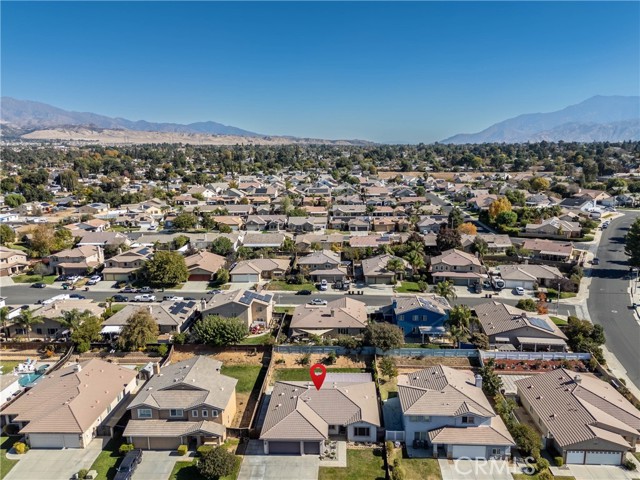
(318, 377)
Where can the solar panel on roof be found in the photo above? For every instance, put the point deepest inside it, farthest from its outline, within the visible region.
(540, 323)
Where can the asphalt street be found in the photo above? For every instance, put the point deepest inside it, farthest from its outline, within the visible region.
(609, 302)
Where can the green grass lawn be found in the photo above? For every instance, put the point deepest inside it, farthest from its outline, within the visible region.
(408, 287)
(283, 309)
(48, 279)
(361, 464)
(9, 365)
(290, 287)
(106, 462)
(189, 471)
(417, 468)
(559, 321)
(302, 374)
(5, 464)
(259, 340)
(553, 294)
(247, 375)
(389, 388)
(18, 246)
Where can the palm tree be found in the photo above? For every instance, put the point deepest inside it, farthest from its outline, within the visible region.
(395, 265)
(459, 322)
(4, 314)
(26, 320)
(71, 319)
(457, 334)
(445, 289)
(415, 259)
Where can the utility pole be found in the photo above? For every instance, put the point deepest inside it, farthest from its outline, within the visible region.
(558, 298)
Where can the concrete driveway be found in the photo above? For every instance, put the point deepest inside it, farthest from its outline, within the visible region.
(157, 465)
(595, 472)
(258, 466)
(39, 464)
(475, 470)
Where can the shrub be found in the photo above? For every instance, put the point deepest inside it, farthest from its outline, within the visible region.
(304, 359)
(280, 361)
(629, 465)
(180, 338)
(11, 429)
(217, 462)
(331, 358)
(162, 350)
(559, 461)
(545, 475)
(398, 472)
(82, 473)
(83, 347)
(21, 448)
(125, 448)
(182, 450)
(202, 449)
(542, 464)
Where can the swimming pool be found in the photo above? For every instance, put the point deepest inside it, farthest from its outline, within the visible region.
(28, 378)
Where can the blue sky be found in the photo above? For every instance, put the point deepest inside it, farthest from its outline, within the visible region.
(388, 72)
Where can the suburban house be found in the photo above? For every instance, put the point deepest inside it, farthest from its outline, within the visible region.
(423, 314)
(307, 224)
(186, 403)
(580, 204)
(65, 408)
(267, 223)
(445, 411)
(300, 419)
(203, 266)
(50, 328)
(252, 307)
(496, 244)
(94, 208)
(585, 419)
(375, 270)
(304, 242)
(114, 240)
(259, 269)
(263, 240)
(458, 267)
(529, 275)
(76, 261)
(123, 267)
(343, 316)
(12, 261)
(322, 260)
(507, 325)
(555, 228)
(171, 317)
(9, 386)
(549, 250)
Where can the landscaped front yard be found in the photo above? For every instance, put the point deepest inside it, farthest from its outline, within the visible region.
(5, 464)
(361, 464)
(48, 279)
(106, 462)
(408, 287)
(417, 468)
(558, 321)
(189, 470)
(290, 287)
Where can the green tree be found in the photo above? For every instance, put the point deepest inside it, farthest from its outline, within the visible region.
(4, 317)
(480, 246)
(416, 260)
(42, 240)
(222, 276)
(140, 329)
(506, 219)
(632, 243)
(455, 218)
(396, 265)
(447, 239)
(165, 269)
(88, 331)
(220, 331)
(40, 269)
(14, 200)
(527, 304)
(7, 235)
(384, 336)
(388, 367)
(185, 221)
(221, 246)
(459, 322)
(217, 463)
(27, 320)
(480, 340)
(445, 289)
(491, 382)
(539, 184)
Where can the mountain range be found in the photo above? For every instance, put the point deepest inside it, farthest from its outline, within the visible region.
(599, 118)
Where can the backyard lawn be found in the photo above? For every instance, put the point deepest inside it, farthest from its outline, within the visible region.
(290, 287)
(258, 340)
(283, 309)
(408, 287)
(247, 375)
(106, 462)
(5, 464)
(302, 374)
(48, 279)
(9, 365)
(389, 388)
(361, 464)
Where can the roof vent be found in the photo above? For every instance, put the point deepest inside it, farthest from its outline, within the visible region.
(578, 379)
(539, 397)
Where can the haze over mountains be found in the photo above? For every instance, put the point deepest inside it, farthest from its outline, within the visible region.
(600, 118)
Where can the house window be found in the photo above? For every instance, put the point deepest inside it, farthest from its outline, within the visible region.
(416, 318)
(471, 269)
(51, 331)
(194, 413)
(343, 331)
(20, 331)
(214, 413)
(39, 331)
(468, 420)
(419, 418)
(144, 413)
(361, 431)
(419, 435)
(496, 451)
(205, 413)
(175, 412)
(400, 318)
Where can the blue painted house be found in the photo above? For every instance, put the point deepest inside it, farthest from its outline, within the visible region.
(427, 310)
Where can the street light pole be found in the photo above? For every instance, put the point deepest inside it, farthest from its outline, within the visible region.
(558, 298)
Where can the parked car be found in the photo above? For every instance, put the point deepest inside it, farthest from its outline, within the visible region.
(66, 286)
(477, 288)
(519, 291)
(323, 285)
(190, 299)
(144, 298)
(95, 278)
(128, 465)
(215, 292)
(146, 290)
(172, 298)
(77, 296)
(318, 301)
(303, 292)
(92, 282)
(120, 298)
(38, 285)
(595, 261)
(129, 290)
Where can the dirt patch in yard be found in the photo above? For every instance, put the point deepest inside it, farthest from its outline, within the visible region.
(231, 358)
(342, 361)
(423, 362)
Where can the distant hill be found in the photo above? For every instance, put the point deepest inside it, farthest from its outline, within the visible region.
(30, 115)
(600, 118)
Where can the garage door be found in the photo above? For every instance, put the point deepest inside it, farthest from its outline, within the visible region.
(42, 440)
(603, 458)
(515, 283)
(576, 456)
(284, 448)
(199, 277)
(244, 278)
(470, 451)
(312, 448)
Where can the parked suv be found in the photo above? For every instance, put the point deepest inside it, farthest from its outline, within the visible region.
(144, 298)
(128, 465)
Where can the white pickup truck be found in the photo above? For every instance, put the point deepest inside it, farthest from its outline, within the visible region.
(144, 298)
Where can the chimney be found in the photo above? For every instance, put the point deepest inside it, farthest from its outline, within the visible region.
(156, 368)
(77, 368)
(394, 303)
(333, 312)
(478, 381)
(578, 379)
